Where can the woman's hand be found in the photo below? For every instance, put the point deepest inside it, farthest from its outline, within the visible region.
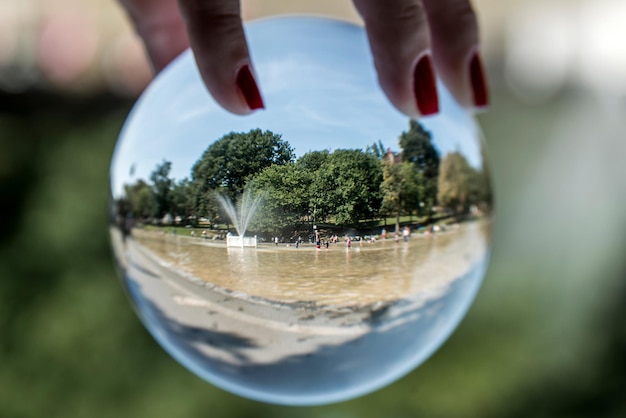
(410, 41)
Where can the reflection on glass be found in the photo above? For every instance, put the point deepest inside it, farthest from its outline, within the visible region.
(311, 252)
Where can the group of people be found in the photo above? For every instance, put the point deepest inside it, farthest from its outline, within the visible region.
(325, 242)
(319, 242)
(406, 234)
(205, 235)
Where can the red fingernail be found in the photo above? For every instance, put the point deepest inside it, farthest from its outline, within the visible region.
(424, 87)
(477, 78)
(249, 89)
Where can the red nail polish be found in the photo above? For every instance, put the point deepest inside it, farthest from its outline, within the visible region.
(249, 89)
(477, 78)
(424, 87)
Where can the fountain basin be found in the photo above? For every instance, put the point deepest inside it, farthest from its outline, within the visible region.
(240, 241)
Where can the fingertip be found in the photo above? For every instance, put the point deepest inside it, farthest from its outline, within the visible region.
(466, 80)
(415, 94)
(248, 88)
(240, 94)
(425, 86)
(478, 82)
(399, 38)
(220, 49)
(456, 56)
(413, 91)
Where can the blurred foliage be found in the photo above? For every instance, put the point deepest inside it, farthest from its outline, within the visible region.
(71, 346)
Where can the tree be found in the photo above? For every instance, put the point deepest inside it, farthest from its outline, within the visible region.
(312, 160)
(140, 199)
(228, 164)
(162, 187)
(455, 183)
(286, 191)
(391, 189)
(401, 189)
(418, 149)
(346, 187)
(377, 149)
(183, 199)
(482, 185)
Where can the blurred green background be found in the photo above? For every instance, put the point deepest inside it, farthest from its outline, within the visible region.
(545, 338)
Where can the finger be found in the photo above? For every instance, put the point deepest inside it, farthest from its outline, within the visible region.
(400, 42)
(221, 51)
(161, 27)
(455, 48)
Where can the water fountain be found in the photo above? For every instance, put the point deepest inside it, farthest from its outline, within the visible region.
(297, 326)
(240, 216)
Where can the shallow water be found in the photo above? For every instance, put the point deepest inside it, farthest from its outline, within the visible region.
(363, 274)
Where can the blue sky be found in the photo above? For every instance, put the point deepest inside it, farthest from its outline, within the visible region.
(320, 91)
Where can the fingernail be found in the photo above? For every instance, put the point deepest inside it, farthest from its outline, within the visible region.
(249, 89)
(424, 87)
(477, 78)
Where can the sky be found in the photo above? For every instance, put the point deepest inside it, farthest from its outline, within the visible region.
(320, 90)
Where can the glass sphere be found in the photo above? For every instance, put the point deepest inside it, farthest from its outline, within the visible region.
(311, 252)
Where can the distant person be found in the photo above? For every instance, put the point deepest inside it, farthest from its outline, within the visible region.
(406, 232)
(127, 227)
(383, 234)
(348, 242)
(276, 241)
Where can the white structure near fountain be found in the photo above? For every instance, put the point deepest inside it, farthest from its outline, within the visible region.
(240, 217)
(240, 241)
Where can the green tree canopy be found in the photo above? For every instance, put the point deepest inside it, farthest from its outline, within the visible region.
(401, 188)
(183, 198)
(286, 191)
(232, 160)
(346, 188)
(377, 149)
(313, 160)
(482, 185)
(418, 149)
(140, 198)
(455, 183)
(162, 187)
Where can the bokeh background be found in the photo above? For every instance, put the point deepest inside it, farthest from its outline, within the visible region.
(546, 336)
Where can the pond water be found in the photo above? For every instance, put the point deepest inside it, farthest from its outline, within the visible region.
(363, 274)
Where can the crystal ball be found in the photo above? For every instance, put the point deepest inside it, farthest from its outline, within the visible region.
(311, 252)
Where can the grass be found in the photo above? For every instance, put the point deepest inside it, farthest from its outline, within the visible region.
(369, 227)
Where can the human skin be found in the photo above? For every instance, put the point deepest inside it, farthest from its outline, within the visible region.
(411, 41)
